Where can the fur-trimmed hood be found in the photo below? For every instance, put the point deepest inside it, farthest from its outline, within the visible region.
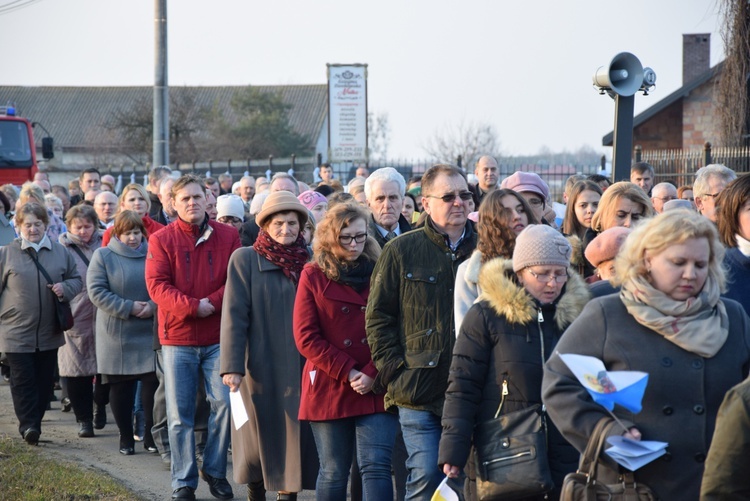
(511, 301)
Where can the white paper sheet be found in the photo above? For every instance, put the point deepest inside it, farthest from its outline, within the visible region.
(632, 454)
(239, 413)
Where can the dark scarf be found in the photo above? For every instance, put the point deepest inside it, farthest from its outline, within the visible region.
(290, 258)
(356, 275)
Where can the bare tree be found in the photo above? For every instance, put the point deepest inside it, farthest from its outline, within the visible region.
(733, 84)
(378, 136)
(469, 140)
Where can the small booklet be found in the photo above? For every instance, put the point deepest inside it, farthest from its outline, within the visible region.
(632, 454)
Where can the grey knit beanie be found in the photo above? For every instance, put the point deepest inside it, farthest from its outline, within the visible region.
(539, 244)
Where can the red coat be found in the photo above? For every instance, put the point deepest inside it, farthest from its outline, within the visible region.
(329, 330)
(148, 223)
(180, 272)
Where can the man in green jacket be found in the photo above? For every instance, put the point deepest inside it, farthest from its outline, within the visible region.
(409, 317)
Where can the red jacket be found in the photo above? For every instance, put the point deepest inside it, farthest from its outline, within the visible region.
(148, 223)
(182, 267)
(329, 330)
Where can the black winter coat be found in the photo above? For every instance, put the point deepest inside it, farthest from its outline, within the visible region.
(506, 335)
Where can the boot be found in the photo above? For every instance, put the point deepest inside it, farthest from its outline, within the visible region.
(287, 496)
(100, 416)
(256, 491)
(87, 429)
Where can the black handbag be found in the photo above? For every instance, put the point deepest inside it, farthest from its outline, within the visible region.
(511, 454)
(63, 313)
(583, 485)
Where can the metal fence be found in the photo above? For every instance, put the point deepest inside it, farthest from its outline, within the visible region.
(679, 166)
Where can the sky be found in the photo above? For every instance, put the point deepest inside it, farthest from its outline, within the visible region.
(524, 67)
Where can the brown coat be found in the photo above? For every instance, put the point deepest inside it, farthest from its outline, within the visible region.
(681, 401)
(257, 341)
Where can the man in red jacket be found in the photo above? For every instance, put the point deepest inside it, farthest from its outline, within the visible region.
(186, 269)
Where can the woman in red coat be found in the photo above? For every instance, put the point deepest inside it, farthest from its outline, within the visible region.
(337, 381)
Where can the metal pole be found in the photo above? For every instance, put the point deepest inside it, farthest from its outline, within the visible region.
(161, 87)
(623, 137)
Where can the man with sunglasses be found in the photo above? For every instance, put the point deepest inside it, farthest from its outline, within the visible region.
(384, 192)
(709, 182)
(409, 319)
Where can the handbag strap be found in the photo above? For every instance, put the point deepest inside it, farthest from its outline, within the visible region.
(80, 254)
(590, 457)
(41, 268)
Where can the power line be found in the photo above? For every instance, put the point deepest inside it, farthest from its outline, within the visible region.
(15, 5)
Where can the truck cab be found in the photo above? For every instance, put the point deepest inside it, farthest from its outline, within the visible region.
(18, 162)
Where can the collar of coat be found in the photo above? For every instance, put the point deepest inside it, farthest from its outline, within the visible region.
(510, 300)
(466, 246)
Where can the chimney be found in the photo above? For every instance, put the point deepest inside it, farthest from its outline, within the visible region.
(696, 55)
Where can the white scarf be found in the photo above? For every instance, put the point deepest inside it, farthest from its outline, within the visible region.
(743, 245)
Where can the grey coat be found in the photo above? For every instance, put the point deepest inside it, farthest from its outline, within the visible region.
(257, 341)
(78, 356)
(116, 279)
(681, 401)
(27, 306)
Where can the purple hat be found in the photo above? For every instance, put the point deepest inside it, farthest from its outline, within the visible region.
(526, 181)
(311, 198)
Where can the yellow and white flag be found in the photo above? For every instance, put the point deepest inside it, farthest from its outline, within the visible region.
(444, 492)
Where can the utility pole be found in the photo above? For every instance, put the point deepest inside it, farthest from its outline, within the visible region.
(161, 87)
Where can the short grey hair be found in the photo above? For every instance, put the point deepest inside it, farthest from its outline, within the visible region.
(700, 185)
(284, 175)
(385, 174)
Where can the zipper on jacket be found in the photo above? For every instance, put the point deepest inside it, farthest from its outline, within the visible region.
(39, 320)
(507, 458)
(211, 264)
(540, 321)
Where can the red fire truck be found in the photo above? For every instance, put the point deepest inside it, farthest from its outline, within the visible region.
(18, 162)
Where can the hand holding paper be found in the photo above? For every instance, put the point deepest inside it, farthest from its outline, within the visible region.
(632, 454)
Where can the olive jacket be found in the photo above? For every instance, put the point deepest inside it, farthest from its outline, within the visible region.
(409, 318)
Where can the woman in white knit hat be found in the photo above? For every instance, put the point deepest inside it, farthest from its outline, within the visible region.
(525, 305)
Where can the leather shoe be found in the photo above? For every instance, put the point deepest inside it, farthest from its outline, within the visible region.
(87, 429)
(65, 404)
(184, 493)
(218, 487)
(127, 451)
(31, 436)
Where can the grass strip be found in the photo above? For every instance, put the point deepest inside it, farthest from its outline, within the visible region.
(26, 475)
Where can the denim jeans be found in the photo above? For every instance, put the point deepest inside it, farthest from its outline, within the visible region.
(421, 431)
(335, 440)
(182, 366)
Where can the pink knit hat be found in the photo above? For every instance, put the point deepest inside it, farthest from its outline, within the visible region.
(606, 245)
(311, 198)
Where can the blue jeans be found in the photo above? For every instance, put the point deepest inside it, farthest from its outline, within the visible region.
(421, 431)
(182, 366)
(335, 440)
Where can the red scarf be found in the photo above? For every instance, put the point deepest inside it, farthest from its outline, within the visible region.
(290, 258)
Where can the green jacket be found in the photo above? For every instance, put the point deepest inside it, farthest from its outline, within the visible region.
(409, 319)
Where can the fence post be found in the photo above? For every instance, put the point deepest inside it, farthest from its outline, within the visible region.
(459, 161)
(638, 152)
(707, 154)
(229, 166)
(320, 159)
(270, 162)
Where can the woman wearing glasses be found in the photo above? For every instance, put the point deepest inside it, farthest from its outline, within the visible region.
(274, 450)
(329, 329)
(526, 304)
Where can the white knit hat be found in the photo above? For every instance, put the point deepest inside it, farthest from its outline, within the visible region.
(230, 205)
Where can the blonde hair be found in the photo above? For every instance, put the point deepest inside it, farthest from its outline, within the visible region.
(608, 203)
(655, 235)
(140, 189)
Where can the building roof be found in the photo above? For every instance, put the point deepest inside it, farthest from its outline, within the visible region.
(76, 116)
(675, 96)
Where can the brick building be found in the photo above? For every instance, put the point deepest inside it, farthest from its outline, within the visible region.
(685, 119)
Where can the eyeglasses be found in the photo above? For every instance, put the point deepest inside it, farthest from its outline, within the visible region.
(534, 202)
(545, 279)
(347, 239)
(451, 197)
(229, 219)
(712, 195)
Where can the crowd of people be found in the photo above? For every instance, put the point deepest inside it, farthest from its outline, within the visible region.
(369, 328)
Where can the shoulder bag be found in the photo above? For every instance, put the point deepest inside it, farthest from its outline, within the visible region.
(583, 485)
(64, 315)
(511, 454)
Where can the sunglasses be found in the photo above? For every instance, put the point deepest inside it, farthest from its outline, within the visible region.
(451, 197)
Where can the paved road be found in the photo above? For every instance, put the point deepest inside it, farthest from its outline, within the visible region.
(142, 473)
